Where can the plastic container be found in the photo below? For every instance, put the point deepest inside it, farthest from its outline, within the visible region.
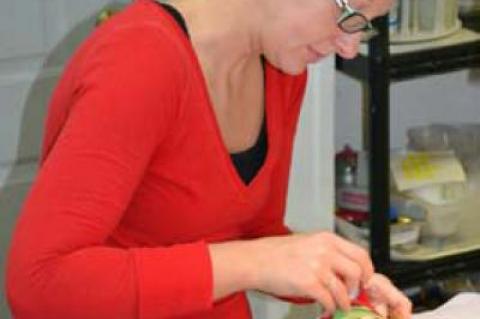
(423, 20)
(401, 234)
(470, 13)
(463, 139)
(353, 198)
(435, 137)
(441, 220)
(469, 6)
(441, 217)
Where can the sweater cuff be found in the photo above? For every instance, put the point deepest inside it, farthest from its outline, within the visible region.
(174, 281)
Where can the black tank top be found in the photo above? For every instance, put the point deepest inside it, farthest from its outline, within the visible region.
(248, 162)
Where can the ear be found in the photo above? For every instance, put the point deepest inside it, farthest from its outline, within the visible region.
(347, 44)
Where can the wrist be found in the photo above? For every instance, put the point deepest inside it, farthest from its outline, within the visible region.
(236, 266)
(254, 256)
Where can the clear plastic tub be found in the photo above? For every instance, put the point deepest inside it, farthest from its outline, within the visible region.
(463, 139)
(440, 220)
(469, 6)
(423, 20)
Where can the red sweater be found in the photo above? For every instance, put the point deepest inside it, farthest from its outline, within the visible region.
(135, 182)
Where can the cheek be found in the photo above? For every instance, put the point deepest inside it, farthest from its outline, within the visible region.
(298, 34)
(318, 26)
(326, 24)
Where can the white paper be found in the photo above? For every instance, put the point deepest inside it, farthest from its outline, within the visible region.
(462, 306)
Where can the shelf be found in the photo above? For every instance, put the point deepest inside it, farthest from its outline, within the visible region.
(406, 274)
(435, 259)
(466, 240)
(440, 260)
(407, 61)
(377, 69)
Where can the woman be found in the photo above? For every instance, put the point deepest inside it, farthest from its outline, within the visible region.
(165, 165)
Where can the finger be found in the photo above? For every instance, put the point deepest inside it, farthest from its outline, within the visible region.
(403, 310)
(381, 289)
(381, 309)
(357, 254)
(350, 272)
(337, 290)
(323, 297)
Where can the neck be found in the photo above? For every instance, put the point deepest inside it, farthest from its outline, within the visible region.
(224, 34)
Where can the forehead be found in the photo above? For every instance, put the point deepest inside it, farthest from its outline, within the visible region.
(371, 8)
(359, 4)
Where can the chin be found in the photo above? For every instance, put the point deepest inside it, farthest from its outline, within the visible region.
(288, 65)
(293, 68)
(297, 71)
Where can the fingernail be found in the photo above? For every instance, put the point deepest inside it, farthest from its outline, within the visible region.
(353, 293)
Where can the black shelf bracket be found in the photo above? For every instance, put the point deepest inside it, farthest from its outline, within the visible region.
(378, 123)
(407, 66)
(408, 274)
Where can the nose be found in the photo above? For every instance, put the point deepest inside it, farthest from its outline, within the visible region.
(347, 45)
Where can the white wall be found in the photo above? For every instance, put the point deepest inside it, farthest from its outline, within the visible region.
(310, 201)
(451, 97)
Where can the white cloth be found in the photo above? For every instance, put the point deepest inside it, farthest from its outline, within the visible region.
(462, 306)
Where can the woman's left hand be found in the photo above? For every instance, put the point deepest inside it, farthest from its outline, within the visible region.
(387, 300)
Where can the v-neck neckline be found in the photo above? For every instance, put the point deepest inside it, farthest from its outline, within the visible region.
(223, 150)
(270, 115)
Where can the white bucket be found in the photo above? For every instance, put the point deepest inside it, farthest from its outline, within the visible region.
(469, 6)
(423, 20)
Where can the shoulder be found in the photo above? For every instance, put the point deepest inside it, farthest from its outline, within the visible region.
(141, 41)
(132, 69)
(139, 53)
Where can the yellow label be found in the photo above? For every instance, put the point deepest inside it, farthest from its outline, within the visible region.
(418, 166)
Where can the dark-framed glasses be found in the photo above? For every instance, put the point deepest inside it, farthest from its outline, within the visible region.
(352, 21)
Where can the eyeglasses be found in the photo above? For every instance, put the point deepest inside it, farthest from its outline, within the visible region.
(352, 21)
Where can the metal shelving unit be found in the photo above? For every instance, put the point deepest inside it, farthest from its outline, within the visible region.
(378, 68)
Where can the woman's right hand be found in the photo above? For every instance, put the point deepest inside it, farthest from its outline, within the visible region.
(319, 266)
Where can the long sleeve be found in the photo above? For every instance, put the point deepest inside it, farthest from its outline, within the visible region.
(59, 265)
